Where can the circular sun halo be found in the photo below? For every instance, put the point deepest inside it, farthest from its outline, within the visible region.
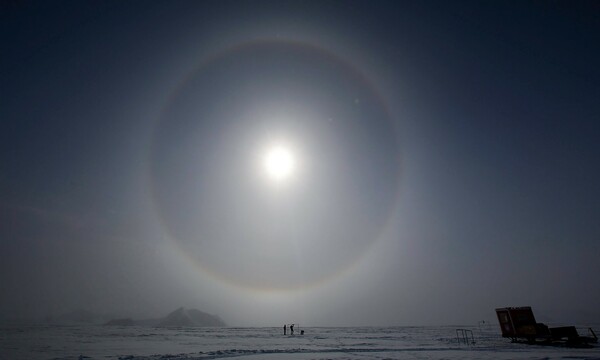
(279, 163)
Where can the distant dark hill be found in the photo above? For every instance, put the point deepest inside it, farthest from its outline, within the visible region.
(178, 318)
(190, 317)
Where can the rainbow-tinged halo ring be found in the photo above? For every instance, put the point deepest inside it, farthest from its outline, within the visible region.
(171, 206)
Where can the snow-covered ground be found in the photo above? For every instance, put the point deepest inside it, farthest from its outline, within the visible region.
(136, 343)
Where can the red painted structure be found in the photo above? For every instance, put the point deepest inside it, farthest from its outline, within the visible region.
(518, 323)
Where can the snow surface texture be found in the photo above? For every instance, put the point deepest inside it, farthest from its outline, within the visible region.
(148, 343)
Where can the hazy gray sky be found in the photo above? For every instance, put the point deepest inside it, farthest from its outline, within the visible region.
(439, 160)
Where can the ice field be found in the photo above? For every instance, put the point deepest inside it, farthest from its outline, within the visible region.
(148, 343)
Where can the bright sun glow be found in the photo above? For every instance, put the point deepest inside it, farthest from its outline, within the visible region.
(279, 163)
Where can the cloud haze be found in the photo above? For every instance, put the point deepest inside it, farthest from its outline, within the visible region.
(445, 160)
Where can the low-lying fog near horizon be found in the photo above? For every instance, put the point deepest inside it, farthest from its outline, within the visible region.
(324, 163)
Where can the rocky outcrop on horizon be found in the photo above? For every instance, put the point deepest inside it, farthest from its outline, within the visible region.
(178, 318)
(190, 317)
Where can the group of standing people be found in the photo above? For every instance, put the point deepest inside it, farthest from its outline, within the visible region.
(291, 330)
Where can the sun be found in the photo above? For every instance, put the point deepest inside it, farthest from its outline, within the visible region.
(279, 163)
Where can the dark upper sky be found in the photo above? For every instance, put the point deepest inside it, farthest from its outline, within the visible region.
(446, 159)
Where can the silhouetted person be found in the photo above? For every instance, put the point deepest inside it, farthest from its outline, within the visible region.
(284, 329)
(292, 329)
